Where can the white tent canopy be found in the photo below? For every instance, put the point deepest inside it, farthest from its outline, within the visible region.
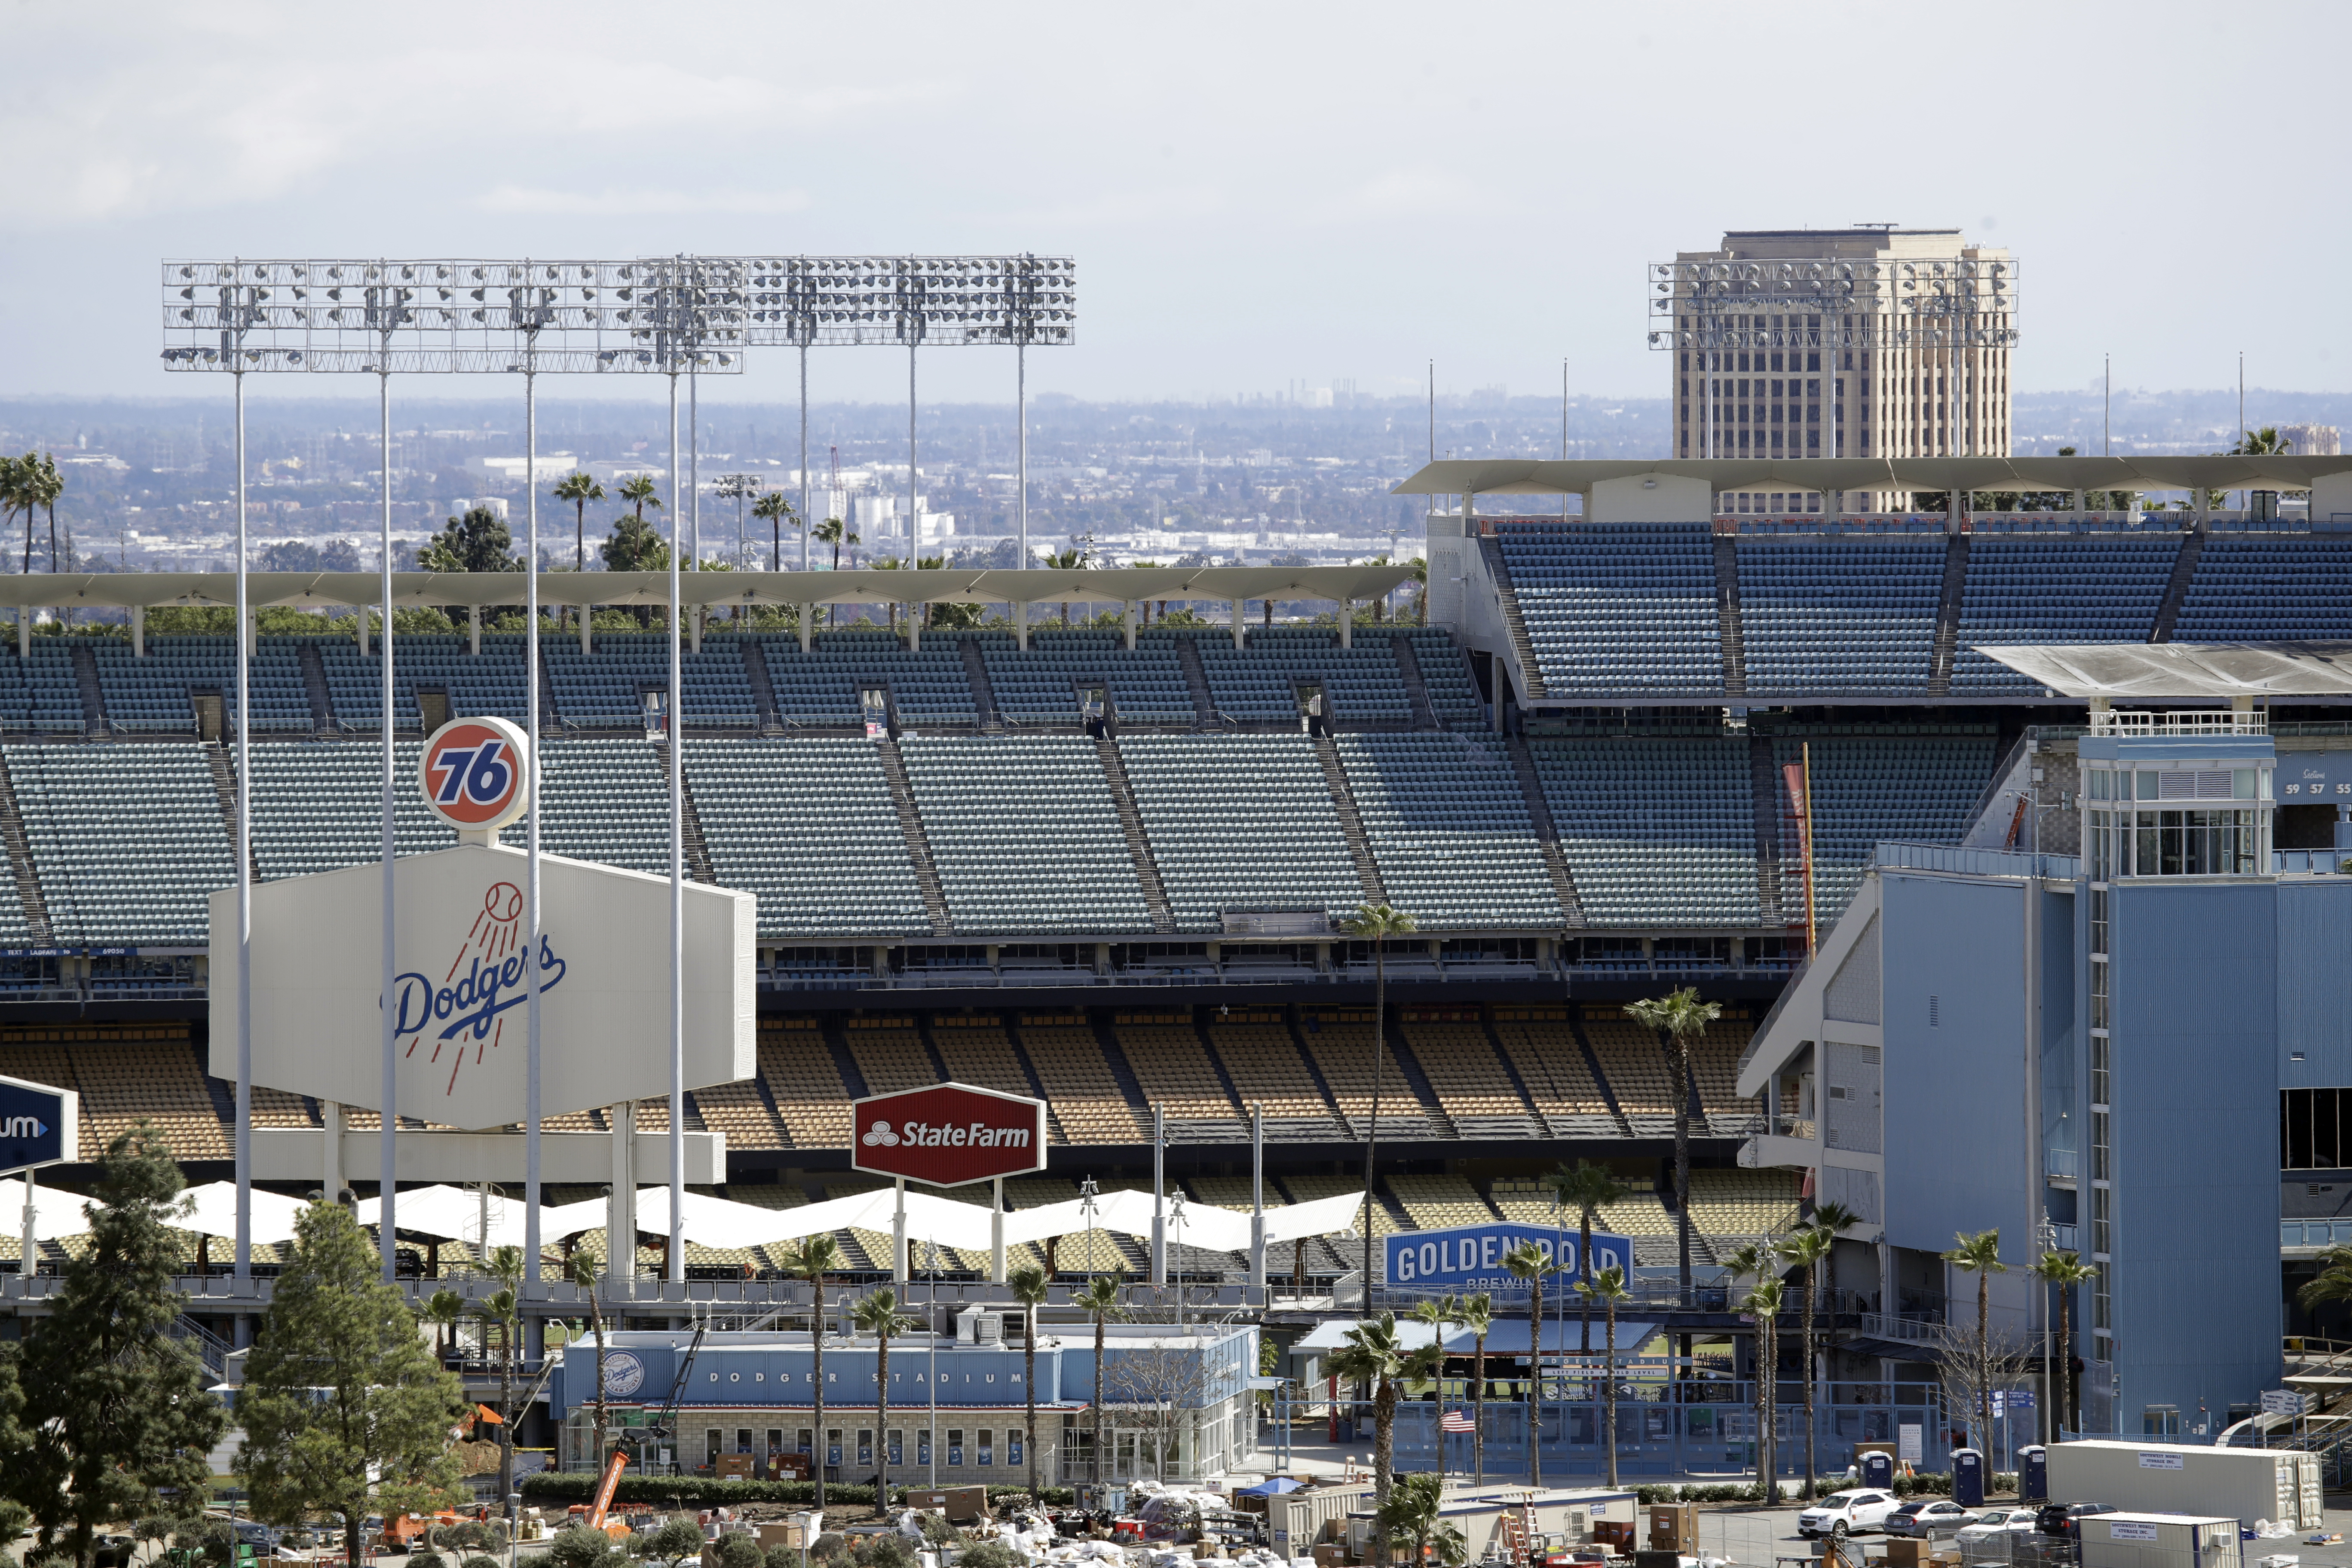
(55, 1212)
(453, 1214)
(717, 1222)
(212, 1209)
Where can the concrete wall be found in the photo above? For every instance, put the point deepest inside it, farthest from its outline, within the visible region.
(1957, 1090)
(2196, 985)
(1667, 497)
(2315, 1023)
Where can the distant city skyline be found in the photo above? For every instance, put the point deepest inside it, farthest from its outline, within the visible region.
(1356, 192)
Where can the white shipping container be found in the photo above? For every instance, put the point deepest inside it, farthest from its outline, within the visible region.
(2159, 1541)
(2244, 1484)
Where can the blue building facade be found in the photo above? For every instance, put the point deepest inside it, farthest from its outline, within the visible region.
(2087, 1054)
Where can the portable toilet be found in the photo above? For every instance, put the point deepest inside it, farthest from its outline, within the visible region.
(1878, 1471)
(1967, 1477)
(2032, 1474)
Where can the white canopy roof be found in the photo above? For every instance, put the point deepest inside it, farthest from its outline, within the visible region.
(56, 1213)
(213, 1211)
(2183, 672)
(717, 1222)
(860, 586)
(1558, 476)
(453, 1214)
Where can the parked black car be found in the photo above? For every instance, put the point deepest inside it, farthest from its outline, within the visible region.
(2058, 1518)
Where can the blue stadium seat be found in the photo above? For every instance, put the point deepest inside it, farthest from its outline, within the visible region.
(1618, 607)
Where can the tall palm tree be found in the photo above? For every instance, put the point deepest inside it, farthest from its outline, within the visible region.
(1376, 923)
(877, 1313)
(12, 499)
(1098, 1299)
(817, 1257)
(1805, 1249)
(1764, 1303)
(1477, 1315)
(835, 532)
(1608, 1288)
(1375, 1355)
(1591, 1188)
(443, 1309)
(1030, 1286)
(43, 486)
(1837, 1219)
(1409, 1518)
(1980, 1255)
(1757, 1261)
(1440, 1313)
(639, 492)
(1528, 1262)
(2066, 1270)
(580, 488)
(581, 1270)
(1679, 1017)
(774, 507)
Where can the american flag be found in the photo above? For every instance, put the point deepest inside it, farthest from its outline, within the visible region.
(1456, 1420)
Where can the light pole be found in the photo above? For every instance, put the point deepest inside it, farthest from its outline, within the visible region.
(2045, 1238)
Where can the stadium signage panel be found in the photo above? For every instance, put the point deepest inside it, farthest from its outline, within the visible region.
(459, 991)
(39, 1125)
(1472, 1255)
(948, 1134)
(474, 773)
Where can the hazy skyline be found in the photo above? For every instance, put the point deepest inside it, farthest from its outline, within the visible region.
(1256, 196)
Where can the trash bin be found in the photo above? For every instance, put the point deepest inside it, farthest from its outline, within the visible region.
(1967, 1477)
(2033, 1474)
(1878, 1471)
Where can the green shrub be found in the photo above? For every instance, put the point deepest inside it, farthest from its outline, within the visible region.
(427, 1560)
(890, 1551)
(578, 1547)
(738, 1551)
(478, 1562)
(831, 1547)
(990, 1554)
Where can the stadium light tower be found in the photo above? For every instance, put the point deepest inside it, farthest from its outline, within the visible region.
(939, 301)
(378, 316)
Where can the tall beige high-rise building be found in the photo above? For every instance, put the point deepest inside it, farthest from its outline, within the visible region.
(1874, 342)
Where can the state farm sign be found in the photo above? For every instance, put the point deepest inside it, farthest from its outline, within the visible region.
(948, 1134)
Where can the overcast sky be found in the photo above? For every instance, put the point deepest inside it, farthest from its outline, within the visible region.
(1257, 194)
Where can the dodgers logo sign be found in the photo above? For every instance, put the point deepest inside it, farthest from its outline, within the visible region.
(476, 773)
(460, 1016)
(1472, 1255)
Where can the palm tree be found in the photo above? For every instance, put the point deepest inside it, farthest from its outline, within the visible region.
(639, 492)
(1806, 1249)
(580, 488)
(1440, 1313)
(877, 1313)
(1608, 1288)
(43, 485)
(1679, 1017)
(1379, 923)
(1099, 1300)
(1591, 1188)
(774, 509)
(1529, 1262)
(1764, 1303)
(1029, 1287)
(443, 1309)
(1373, 1354)
(1410, 1517)
(2067, 1269)
(1980, 1255)
(1477, 1315)
(581, 1270)
(835, 532)
(12, 498)
(817, 1257)
(1757, 1260)
(1837, 1219)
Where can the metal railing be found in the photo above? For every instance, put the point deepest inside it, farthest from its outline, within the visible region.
(2135, 722)
(1896, 856)
(2315, 1232)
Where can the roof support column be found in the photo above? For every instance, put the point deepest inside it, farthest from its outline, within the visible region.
(24, 631)
(1020, 625)
(1346, 623)
(915, 613)
(139, 631)
(587, 614)
(1234, 606)
(808, 626)
(1128, 611)
(474, 629)
(2204, 505)
(1952, 511)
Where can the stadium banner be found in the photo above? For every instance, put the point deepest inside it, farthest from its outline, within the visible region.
(1471, 1256)
(948, 1134)
(458, 999)
(39, 1125)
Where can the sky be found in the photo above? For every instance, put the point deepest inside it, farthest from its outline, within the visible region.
(1257, 194)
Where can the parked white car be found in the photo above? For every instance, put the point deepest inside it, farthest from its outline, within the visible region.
(1843, 1513)
(1998, 1522)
